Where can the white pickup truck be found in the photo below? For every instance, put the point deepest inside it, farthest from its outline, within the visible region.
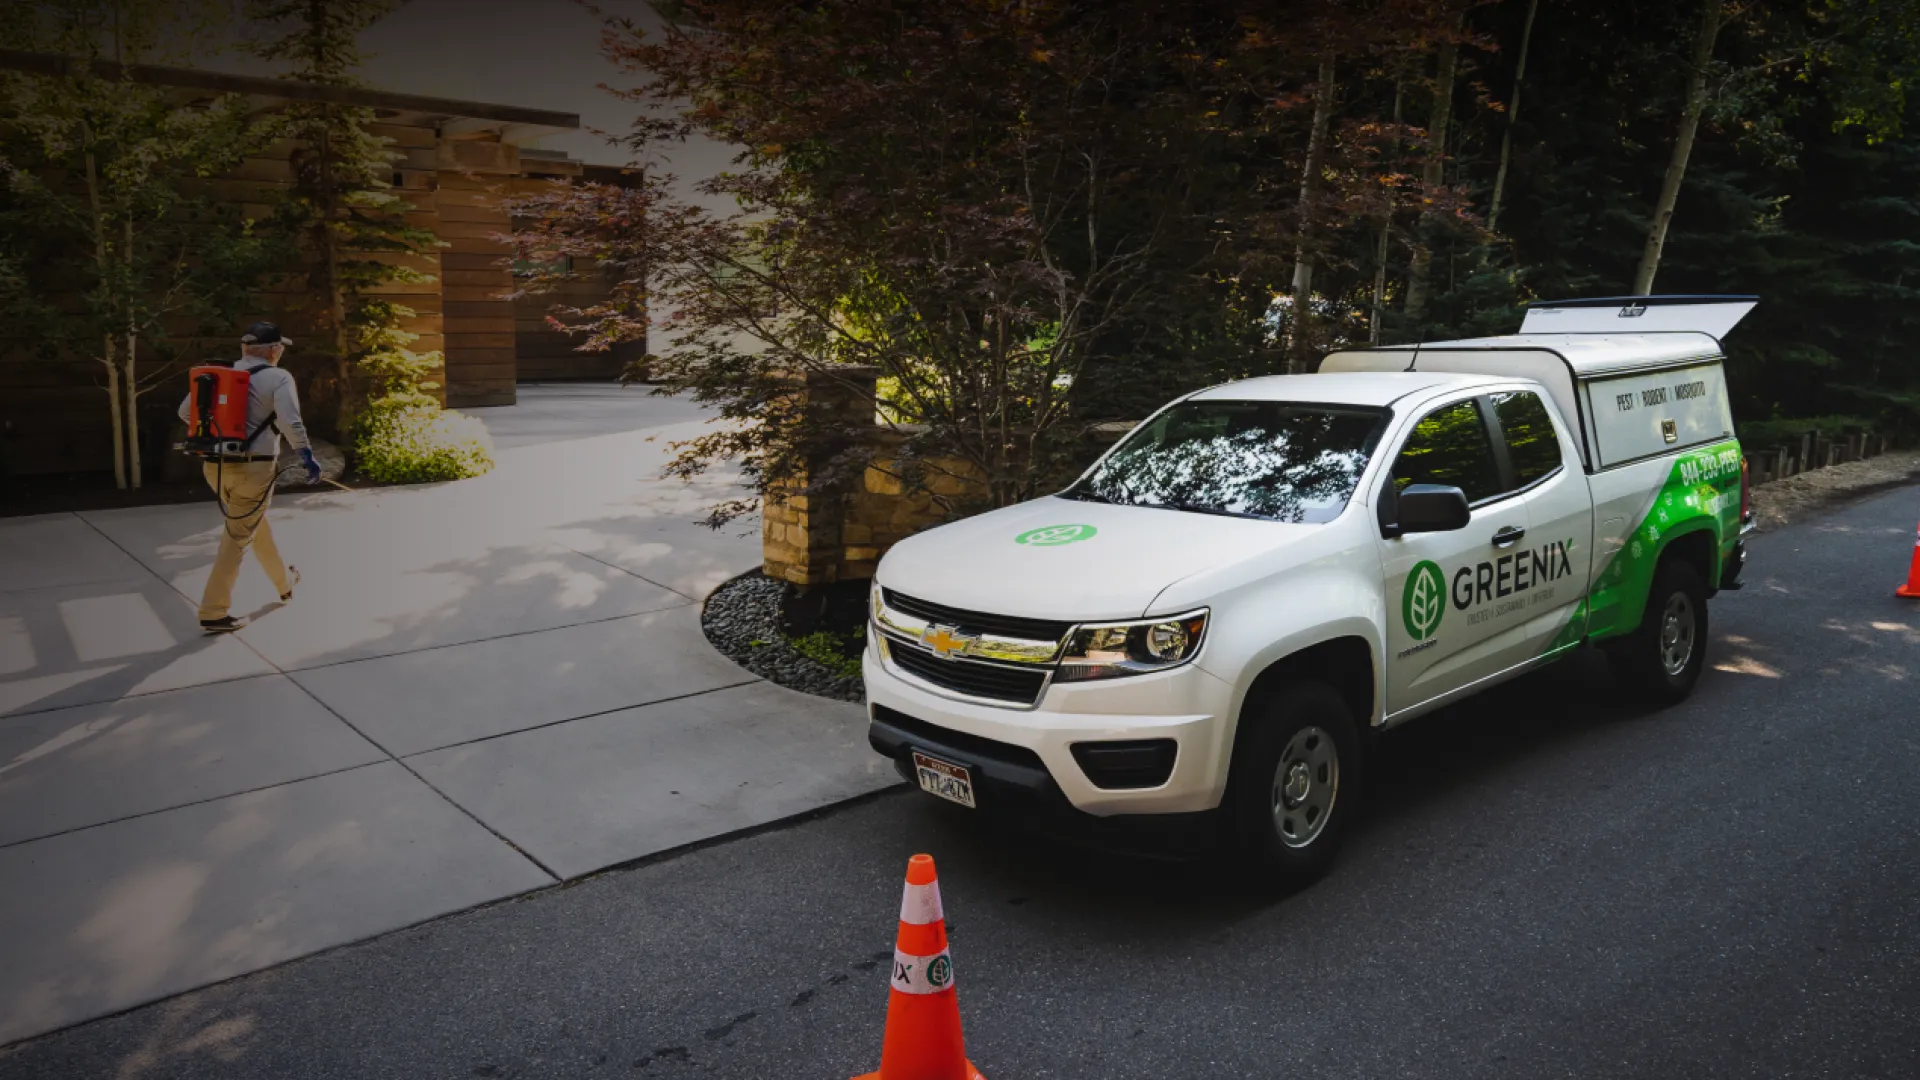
(1197, 634)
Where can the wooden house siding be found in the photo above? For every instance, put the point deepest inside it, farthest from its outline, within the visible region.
(54, 416)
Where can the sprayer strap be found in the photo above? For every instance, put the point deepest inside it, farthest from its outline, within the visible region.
(264, 425)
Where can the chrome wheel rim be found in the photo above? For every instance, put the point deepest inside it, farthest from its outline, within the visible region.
(1677, 631)
(1305, 783)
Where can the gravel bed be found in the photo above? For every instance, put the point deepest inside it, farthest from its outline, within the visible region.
(742, 620)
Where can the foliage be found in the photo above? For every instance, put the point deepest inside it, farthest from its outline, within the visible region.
(403, 436)
(111, 247)
(1012, 211)
(415, 444)
(830, 650)
(1760, 435)
(342, 211)
(1032, 217)
(1791, 195)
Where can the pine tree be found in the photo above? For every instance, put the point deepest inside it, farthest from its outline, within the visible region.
(342, 208)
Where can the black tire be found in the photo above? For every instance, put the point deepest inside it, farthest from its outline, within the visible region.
(1309, 724)
(1644, 661)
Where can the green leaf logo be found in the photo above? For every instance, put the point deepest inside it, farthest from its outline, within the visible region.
(1055, 535)
(1424, 601)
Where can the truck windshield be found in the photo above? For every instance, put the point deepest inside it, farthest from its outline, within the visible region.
(1262, 459)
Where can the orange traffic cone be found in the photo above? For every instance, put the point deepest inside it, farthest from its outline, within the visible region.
(1912, 587)
(923, 1012)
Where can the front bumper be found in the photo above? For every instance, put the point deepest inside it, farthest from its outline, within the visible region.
(1026, 755)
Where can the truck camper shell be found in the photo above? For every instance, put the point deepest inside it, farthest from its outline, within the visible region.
(1631, 389)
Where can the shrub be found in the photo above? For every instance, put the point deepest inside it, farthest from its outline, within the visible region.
(410, 443)
(1758, 435)
(404, 436)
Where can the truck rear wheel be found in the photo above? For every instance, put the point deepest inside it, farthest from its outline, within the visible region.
(1296, 783)
(1662, 659)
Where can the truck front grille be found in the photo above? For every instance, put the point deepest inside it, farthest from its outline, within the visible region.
(997, 682)
(977, 622)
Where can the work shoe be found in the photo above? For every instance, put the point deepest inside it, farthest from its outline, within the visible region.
(224, 625)
(293, 579)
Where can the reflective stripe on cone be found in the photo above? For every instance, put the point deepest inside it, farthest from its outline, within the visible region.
(922, 974)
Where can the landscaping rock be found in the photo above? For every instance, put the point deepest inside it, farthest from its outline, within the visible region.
(742, 620)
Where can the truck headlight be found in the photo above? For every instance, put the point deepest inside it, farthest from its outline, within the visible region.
(1111, 650)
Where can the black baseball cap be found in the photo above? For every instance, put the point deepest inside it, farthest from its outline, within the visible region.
(264, 333)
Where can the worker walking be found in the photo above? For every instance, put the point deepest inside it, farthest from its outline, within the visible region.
(244, 481)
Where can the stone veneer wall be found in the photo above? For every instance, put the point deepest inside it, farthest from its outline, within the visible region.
(823, 538)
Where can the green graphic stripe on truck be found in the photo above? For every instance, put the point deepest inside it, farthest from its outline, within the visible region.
(1702, 492)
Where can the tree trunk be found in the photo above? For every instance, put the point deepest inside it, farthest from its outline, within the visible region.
(103, 266)
(1432, 174)
(1710, 18)
(116, 408)
(1382, 247)
(1513, 117)
(131, 383)
(1300, 355)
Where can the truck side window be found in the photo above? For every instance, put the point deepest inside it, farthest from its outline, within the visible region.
(1532, 444)
(1450, 446)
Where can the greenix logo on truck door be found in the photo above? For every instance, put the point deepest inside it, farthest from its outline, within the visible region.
(1514, 580)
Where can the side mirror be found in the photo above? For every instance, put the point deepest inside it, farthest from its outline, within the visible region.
(1423, 508)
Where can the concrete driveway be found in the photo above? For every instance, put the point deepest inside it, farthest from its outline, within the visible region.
(481, 689)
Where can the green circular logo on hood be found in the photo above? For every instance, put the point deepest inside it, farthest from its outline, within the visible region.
(1424, 601)
(1055, 535)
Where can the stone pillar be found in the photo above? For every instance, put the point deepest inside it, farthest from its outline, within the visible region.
(802, 538)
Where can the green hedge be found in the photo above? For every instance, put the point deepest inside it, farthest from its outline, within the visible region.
(1759, 435)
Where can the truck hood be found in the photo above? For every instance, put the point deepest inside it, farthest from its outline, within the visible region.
(1059, 558)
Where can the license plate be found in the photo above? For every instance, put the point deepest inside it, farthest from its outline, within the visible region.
(945, 779)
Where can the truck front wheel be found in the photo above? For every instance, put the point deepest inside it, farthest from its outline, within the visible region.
(1296, 782)
(1662, 659)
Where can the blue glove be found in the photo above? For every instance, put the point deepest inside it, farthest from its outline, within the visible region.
(313, 467)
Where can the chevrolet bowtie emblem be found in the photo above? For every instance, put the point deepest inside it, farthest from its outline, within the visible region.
(945, 642)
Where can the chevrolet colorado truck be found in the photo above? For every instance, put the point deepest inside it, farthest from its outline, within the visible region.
(1199, 634)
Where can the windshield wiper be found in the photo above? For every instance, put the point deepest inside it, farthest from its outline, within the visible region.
(1192, 508)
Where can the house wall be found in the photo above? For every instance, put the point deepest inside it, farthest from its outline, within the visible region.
(478, 318)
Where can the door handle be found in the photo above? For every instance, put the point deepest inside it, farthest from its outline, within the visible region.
(1508, 536)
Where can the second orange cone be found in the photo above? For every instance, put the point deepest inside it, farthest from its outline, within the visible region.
(923, 1039)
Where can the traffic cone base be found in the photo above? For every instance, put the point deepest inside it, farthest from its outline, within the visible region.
(971, 1073)
(1912, 588)
(923, 1039)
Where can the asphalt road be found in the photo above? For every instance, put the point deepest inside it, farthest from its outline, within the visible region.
(1547, 883)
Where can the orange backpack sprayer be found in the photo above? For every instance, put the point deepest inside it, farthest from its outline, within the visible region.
(217, 417)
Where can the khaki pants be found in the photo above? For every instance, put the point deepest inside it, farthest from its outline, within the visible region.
(245, 487)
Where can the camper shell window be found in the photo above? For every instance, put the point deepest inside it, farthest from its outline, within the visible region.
(1645, 414)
